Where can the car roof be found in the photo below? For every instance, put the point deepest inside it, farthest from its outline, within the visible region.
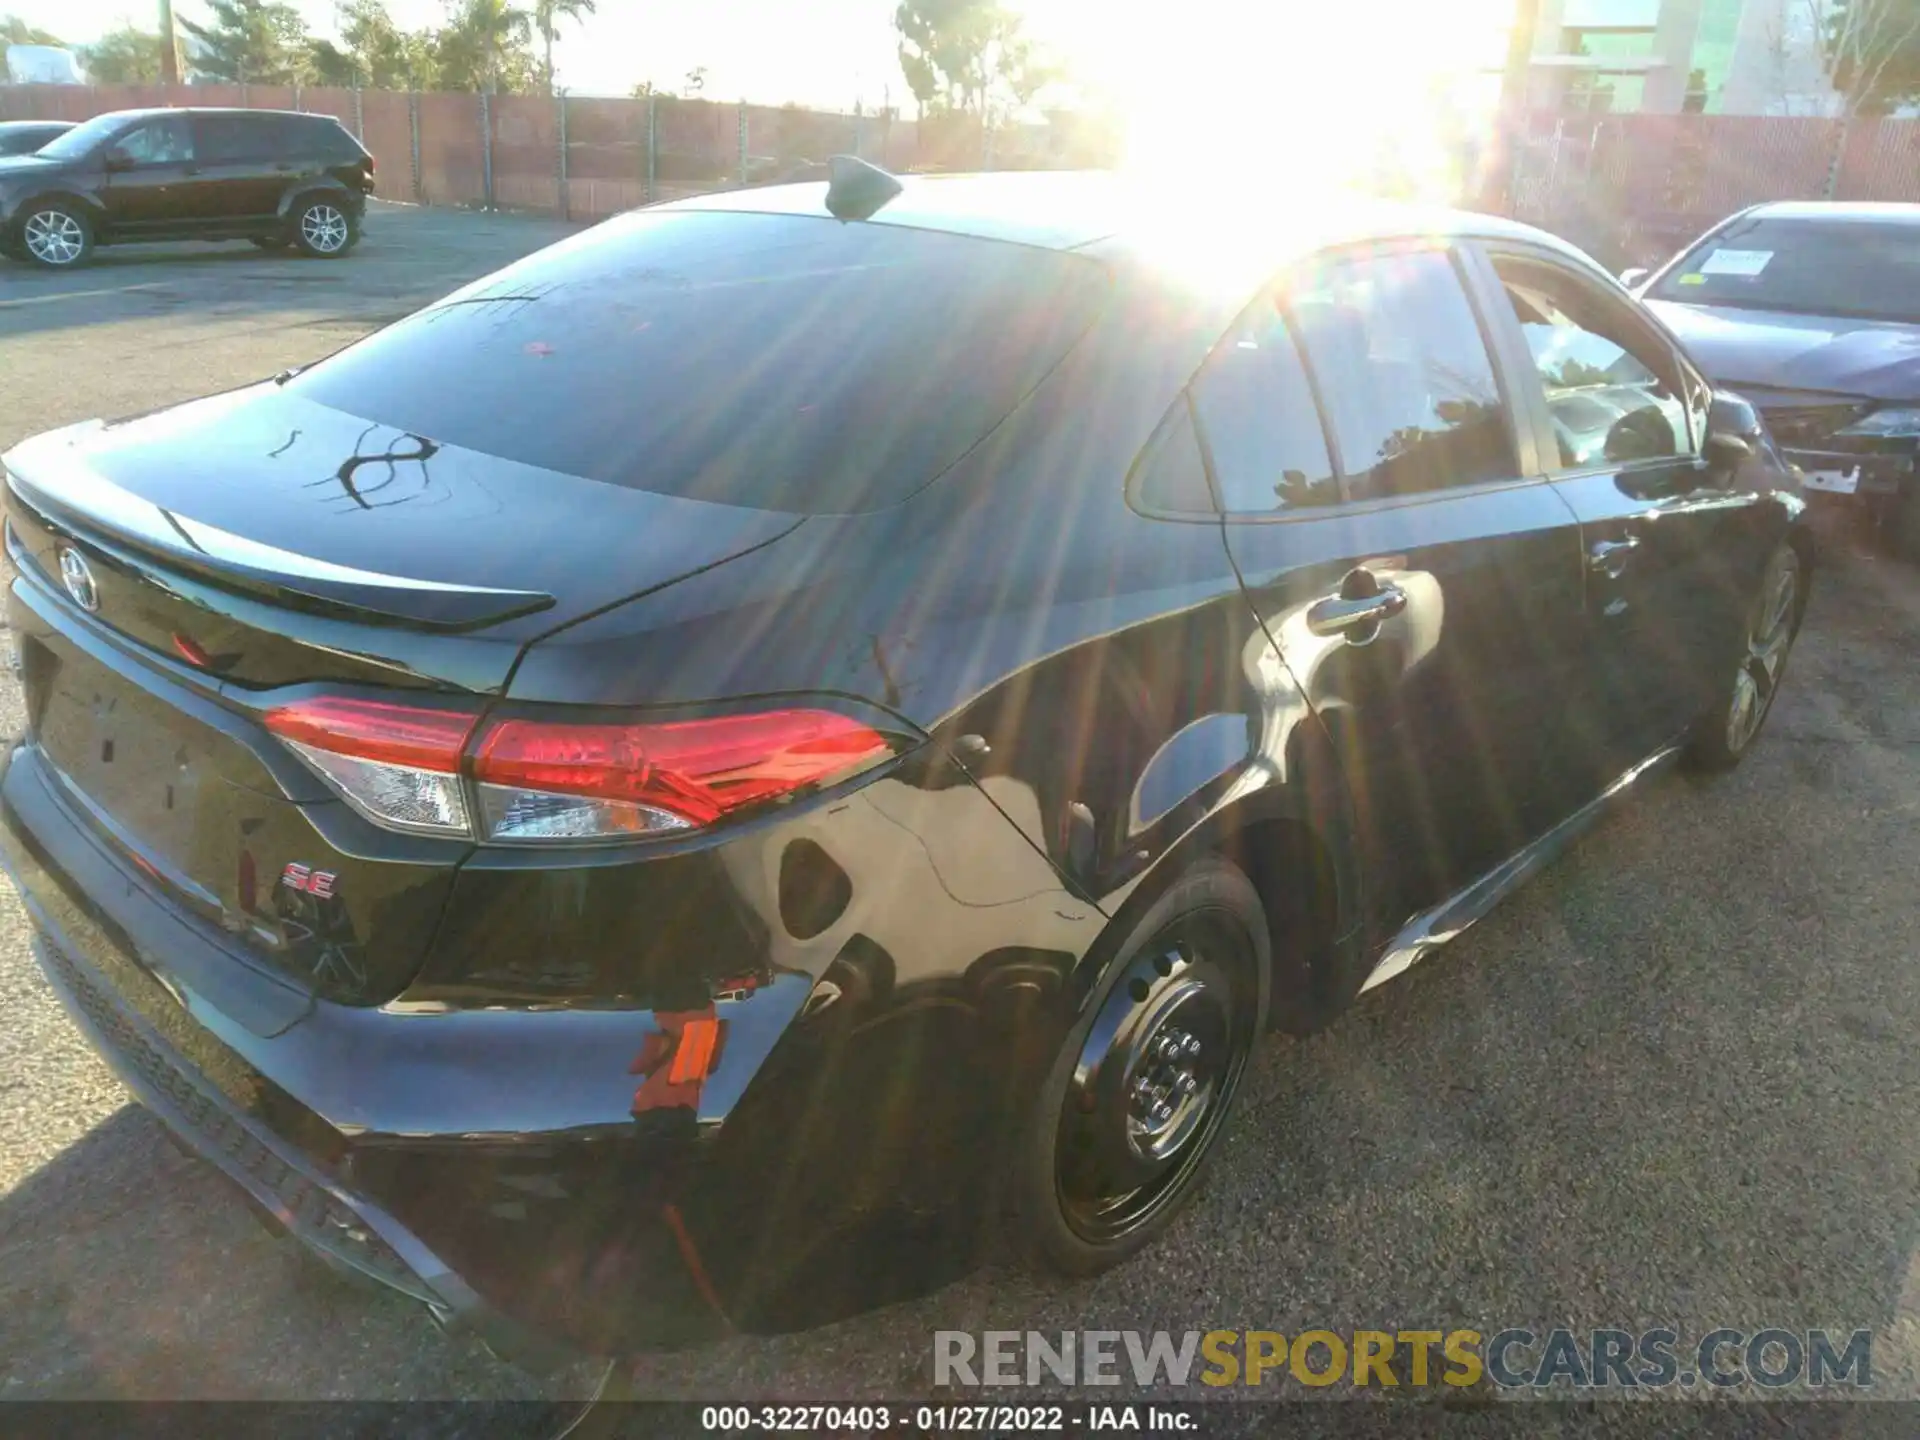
(36, 124)
(1114, 216)
(154, 112)
(1838, 211)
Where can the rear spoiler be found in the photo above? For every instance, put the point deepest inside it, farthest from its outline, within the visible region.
(92, 507)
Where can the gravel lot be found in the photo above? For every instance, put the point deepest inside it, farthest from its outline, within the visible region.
(1664, 1085)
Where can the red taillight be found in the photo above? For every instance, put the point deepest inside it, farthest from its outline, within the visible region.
(698, 770)
(400, 765)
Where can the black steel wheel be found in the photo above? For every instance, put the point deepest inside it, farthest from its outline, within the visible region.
(1139, 1094)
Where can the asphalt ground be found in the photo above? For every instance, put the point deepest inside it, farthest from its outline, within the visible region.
(1671, 1083)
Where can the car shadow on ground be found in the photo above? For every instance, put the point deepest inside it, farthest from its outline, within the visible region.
(130, 1270)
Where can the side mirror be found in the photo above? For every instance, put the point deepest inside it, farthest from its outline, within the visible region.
(1734, 431)
(1633, 276)
(118, 160)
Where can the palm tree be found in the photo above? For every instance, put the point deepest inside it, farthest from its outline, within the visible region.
(547, 15)
(487, 27)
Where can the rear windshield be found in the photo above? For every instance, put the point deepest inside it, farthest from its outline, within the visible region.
(775, 362)
(1854, 268)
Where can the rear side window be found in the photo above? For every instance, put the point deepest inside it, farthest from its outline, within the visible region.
(771, 361)
(330, 139)
(1171, 478)
(1262, 427)
(1410, 391)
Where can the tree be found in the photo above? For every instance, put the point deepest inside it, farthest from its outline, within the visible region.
(1869, 52)
(373, 51)
(15, 31)
(258, 42)
(962, 54)
(127, 56)
(547, 15)
(328, 64)
(488, 46)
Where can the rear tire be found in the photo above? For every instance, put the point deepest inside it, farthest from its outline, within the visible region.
(56, 235)
(1727, 732)
(324, 228)
(1118, 1140)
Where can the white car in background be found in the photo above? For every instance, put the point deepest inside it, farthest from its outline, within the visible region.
(43, 65)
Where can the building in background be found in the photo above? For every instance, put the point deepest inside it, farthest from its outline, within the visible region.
(1728, 57)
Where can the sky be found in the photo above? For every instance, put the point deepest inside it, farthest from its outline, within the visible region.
(834, 52)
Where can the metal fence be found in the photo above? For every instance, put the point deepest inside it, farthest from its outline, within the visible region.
(583, 158)
(1633, 188)
(1630, 188)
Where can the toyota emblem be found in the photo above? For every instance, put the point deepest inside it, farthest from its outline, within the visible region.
(77, 576)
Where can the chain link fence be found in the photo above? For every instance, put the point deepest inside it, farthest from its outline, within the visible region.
(588, 158)
(1629, 188)
(1632, 189)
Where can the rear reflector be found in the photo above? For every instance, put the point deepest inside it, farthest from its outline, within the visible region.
(540, 780)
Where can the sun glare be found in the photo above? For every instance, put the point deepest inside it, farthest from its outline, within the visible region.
(1306, 100)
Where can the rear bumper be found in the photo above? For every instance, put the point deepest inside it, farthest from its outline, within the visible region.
(345, 1230)
(394, 1207)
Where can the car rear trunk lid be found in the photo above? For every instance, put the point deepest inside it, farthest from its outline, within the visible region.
(179, 575)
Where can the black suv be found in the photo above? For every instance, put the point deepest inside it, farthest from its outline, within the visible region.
(274, 177)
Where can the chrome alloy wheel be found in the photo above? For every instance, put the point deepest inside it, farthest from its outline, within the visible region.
(324, 229)
(1151, 1082)
(1769, 637)
(54, 237)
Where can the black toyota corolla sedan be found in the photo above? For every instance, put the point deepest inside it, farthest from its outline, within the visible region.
(659, 793)
(1812, 312)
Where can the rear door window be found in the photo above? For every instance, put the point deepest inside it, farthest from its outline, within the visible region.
(1257, 411)
(772, 361)
(1403, 370)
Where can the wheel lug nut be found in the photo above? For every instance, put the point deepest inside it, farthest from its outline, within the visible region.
(1186, 1084)
(1162, 1112)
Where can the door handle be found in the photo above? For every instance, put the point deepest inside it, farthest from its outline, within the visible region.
(1609, 557)
(1338, 614)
